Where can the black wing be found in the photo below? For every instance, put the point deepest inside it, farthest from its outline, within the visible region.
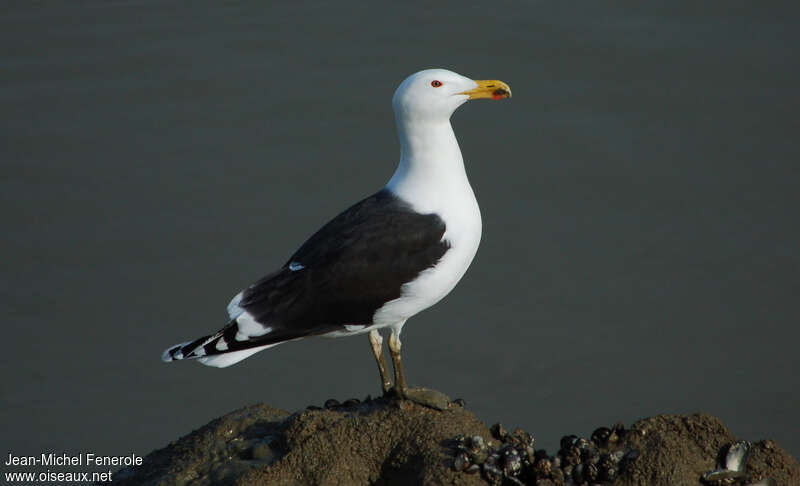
(352, 266)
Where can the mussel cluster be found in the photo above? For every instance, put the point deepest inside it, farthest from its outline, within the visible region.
(511, 459)
(334, 404)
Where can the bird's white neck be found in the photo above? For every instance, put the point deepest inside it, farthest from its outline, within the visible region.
(431, 172)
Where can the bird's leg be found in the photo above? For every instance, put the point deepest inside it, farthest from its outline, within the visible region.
(423, 396)
(397, 362)
(376, 341)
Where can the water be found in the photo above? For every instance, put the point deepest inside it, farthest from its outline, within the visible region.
(639, 197)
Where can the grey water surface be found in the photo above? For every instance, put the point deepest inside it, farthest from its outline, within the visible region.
(639, 196)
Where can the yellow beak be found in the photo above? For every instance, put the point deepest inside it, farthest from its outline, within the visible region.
(489, 88)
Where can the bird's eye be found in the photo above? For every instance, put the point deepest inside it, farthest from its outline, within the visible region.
(436, 83)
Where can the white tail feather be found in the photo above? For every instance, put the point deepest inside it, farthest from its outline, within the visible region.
(226, 359)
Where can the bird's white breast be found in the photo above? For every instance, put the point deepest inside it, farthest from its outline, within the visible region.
(459, 210)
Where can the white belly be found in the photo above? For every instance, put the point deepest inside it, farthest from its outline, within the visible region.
(463, 233)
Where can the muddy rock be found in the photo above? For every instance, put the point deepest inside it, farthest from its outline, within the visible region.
(674, 448)
(680, 449)
(390, 442)
(216, 453)
(385, 442)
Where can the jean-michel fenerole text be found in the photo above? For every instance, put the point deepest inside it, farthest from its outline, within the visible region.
(80, 459)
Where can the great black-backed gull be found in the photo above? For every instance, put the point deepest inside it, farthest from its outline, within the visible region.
(381, 261)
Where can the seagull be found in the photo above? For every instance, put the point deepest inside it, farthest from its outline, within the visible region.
(383, 260)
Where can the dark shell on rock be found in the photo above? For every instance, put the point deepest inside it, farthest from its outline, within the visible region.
(492, 474)
(512, 463)
(591, 472)
(590, 454)
(520, 436)
(577, 473)
(477, 450)
(582, 444)
(572, 457)
(476, 443)
(608, 475)
(498, 431)
(568, 441)
(558, 475)
(600, 436)
(543, 467)
(460, 462)
(617, 456)
(513, 480)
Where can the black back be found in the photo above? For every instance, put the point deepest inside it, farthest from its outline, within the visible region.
(352, 266)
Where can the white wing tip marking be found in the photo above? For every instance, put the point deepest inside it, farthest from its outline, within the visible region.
(167, 355)
(234, 310)
(248, 327)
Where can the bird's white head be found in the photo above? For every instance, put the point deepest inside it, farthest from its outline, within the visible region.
(434, 94)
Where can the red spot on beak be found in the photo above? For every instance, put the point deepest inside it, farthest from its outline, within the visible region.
(500, 93)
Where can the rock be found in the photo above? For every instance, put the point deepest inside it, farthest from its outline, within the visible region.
(768, 459)
(694, 440)
(679, 449)
(430, 398)
(217, 453)
(391, 442)
(378, 441)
